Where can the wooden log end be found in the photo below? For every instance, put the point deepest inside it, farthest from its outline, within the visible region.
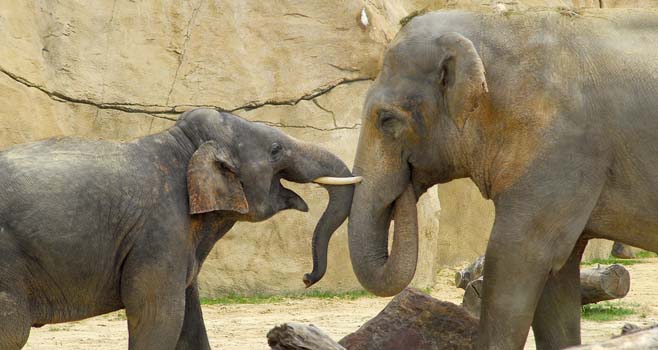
(604, 283)
(472, 301)
(462, 278)
(619, 281)
(297, 336)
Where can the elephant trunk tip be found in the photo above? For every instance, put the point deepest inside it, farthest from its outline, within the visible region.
(310, 279)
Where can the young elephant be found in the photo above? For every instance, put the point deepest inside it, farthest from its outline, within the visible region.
(89, 227)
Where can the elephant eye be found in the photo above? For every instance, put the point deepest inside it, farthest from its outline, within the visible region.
(391, 124)
(276, 152)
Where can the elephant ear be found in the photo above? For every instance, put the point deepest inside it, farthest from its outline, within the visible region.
(463, 83)
(212, 181)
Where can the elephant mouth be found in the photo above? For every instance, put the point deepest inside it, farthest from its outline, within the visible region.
(420, 182)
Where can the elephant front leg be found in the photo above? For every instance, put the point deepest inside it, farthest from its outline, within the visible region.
(154, 297)
(535, 231)
(557, 318)
(193, 335)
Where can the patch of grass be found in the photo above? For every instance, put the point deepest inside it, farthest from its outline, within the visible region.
(118, 316)
(607, 311)
(569, 12)
(612, 260)
(645, 255)
(409, 17)
(232, 299)
(426, 290)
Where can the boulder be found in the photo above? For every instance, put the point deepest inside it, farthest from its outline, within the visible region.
(414, 320)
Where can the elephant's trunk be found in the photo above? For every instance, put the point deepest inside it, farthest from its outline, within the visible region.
(379, 273)
(318, 163)
(340, 200)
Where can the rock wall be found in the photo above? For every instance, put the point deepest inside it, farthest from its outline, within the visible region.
(122, 69)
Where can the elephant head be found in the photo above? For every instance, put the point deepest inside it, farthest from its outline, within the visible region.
(415, 114)
(237, 167)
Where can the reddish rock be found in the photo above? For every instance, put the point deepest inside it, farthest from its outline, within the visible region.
(414, 320)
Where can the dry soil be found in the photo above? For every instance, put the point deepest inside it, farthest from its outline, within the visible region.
(243, 327)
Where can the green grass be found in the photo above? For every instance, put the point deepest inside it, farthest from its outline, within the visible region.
(612, 260)
(232, 299)
(645, 255)
(118, 316)
(607, 311)
(410, 16)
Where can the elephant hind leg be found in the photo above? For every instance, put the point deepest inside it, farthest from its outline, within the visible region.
(15, 321)
(556, 322)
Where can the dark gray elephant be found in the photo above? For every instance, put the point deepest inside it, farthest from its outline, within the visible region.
(89, 227)
(561, 132)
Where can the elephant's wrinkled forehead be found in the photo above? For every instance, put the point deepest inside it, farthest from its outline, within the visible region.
(394, 91)
(412, 56)
(404, 76)
(255, 130)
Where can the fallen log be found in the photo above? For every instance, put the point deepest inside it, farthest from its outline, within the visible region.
(296, 336)
(596, 284)
(644, 339)
(604, 283)
(473, 297)
(470, 273)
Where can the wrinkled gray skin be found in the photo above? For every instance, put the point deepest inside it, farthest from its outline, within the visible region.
(561, 132)
(89, 227)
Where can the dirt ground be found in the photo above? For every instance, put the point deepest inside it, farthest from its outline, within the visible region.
(243, 327)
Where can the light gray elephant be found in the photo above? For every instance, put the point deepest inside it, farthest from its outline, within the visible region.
(88, 227)
(553, 115)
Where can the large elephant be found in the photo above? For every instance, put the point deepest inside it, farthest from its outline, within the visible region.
(552, 114)
(89, 227)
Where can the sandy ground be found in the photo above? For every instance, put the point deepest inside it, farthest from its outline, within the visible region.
(243, 327)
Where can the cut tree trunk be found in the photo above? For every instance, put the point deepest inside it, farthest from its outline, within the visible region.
(296, 336)
(604, 283)
(596, 284)
(644, 339)
(470, 273)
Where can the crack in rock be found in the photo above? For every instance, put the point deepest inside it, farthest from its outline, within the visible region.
(184, 48)
(333, 115)
(307, 97)
(171, 112)
(283, 125)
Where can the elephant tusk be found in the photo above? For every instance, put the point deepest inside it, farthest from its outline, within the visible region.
(329, 180)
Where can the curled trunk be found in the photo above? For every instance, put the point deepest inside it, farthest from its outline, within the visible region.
(340, 199)
(378, 272)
